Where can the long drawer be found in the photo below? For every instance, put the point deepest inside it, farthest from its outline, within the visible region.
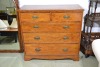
(51, 37)
(51, 49)
(50, 27)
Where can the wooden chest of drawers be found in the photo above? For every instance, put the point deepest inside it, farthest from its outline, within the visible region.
(51, 32)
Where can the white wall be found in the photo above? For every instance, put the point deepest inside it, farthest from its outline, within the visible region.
(84, 3)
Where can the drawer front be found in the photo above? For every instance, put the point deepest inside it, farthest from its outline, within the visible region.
(50, 27)
(63, 17)
(51, 37)
(51, 49)
(35, 17)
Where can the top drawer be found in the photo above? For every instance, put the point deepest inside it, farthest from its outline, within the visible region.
(35, 17)
(63, 17)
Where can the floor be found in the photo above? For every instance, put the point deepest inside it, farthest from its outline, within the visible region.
(8, 43)
(17, 60)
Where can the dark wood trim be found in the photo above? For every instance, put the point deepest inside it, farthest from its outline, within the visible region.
(10, 51)
(85, 46)
(16, 3)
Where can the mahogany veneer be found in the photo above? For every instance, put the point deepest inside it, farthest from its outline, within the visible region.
(50, 31)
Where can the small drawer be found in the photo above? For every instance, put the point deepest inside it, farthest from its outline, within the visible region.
(63, 17)
(51, 49)
(50, 27)
(35, 17)
(51, 37)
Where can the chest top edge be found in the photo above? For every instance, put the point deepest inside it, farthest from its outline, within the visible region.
(52, 7)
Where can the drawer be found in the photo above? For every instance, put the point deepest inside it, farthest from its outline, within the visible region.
(63, 17)
(35, 17)
(50, 27)
(51, 49)
(51, 37)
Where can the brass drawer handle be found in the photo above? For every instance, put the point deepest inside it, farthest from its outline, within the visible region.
(65, 37)
(35, 17)
(37, 38)
(66, 17)
(65, 49)
(36, 26)
(37, 49)
(65, 27)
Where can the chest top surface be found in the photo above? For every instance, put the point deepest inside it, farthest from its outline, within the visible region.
(52, 7)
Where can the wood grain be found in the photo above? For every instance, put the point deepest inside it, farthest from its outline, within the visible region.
(51, 49)
(72, 27)
(51, 37)
(34, 17)
(58, 17)
(51, 32)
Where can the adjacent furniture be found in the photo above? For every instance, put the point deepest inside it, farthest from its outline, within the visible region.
(50, 31)
(86, 47)
(3, 16)
(12, 32)
(87, 35)
(96, 49)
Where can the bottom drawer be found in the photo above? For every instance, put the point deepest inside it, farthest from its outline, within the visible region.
(51, 49)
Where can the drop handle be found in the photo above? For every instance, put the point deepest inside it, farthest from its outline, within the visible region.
(65, 37)
(65, 27)
(37, 49)
(35, 17)
(66, 17)
(65, 49)
(37, 38)
(36, 26)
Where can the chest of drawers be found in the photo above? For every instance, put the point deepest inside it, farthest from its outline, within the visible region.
(51, 32)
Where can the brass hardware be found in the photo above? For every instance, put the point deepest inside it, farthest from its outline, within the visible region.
(65, 49)
(37, 38)
(66, 17)
(35, 17)
(66, 27)
(36, 26)
(37, 49)
(65, 38)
